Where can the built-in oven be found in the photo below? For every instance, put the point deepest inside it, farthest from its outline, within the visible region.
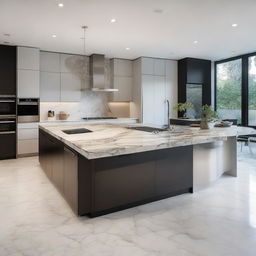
(28, 110)
(7, 125)
(7, 105)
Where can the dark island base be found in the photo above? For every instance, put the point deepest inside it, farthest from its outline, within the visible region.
(100, 186)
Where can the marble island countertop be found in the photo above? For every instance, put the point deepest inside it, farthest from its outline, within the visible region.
(108, 139)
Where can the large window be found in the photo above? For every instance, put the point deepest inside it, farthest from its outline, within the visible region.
(235, 86)
(252, 91)
(229, 90)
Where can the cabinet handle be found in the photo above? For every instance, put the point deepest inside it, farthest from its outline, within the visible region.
(6, 122)
(70, 152)
(9, 132)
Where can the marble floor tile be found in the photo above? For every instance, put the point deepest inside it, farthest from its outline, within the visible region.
(218, 221)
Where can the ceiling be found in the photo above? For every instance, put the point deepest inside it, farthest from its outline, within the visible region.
(155, 28)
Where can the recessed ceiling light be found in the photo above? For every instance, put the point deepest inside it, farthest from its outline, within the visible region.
(54, 36)
(234, 25)
(127, 48)
(113, 20)
(158, 11)
(195, 42)
(60, 5)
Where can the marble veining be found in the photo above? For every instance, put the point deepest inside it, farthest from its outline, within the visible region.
(115, 139)
(217, 221)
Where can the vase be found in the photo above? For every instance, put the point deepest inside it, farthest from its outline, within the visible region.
(206, 124)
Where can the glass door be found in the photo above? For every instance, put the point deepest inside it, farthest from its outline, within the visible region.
(252, 91)
(229, 90)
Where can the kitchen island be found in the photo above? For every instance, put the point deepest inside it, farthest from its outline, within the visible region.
(113, 167)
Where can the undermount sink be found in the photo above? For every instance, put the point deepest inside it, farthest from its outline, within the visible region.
(146, 129)
(76, 131)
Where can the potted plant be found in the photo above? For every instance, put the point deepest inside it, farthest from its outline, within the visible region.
(209, 116)
(183, 107)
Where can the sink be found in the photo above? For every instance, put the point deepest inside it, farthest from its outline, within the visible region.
(146, 129)
(76, 131)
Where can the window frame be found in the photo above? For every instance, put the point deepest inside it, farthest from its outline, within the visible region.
(244, 86)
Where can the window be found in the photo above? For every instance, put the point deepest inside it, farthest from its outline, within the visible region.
(252, 91)
(229, 90)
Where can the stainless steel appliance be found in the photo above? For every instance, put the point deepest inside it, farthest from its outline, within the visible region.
(7, 105)
(28, 110)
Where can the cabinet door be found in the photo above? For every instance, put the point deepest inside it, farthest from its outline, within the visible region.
(28, 84)
(49, 86)
(124, 84)
(28, 58)
(160, 112)
(147, 66)
(70, 87)
(159, 67)
(73, 63)
(49, 62)
(70, 177)
(7, 70)
(148, 91)
(27, 146)
(7, 146)
(122, 67)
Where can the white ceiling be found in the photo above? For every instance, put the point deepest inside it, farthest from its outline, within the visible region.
(169, 34)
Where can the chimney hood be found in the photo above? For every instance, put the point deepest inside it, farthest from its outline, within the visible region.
(97, 74)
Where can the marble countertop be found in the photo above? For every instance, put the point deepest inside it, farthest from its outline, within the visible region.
(108, 139)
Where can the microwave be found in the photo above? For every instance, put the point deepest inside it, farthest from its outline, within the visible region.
(28, 110)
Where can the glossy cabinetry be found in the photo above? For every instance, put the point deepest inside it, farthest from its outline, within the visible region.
(28, 72)
(121, 79)
(155, 81)
(61, 77)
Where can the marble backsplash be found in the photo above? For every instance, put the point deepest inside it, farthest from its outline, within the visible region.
(92, 104)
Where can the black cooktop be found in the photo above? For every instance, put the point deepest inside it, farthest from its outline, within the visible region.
(76, 131)
(99, 118)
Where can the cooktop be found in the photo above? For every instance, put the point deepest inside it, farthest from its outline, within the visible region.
(99, 118)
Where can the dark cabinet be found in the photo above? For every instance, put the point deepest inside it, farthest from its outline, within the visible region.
(7, 70)
(7, 145)
(194, 71)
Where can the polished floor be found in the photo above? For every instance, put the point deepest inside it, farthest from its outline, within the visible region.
(219, 220)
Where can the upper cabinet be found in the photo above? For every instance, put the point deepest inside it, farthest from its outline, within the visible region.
(122, 79)
(61, 77)
(49, 62)
(8, 70)
(28, 58)
(28, 72)
(153, 66)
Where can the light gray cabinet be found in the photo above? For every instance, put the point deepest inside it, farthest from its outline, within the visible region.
(155, 81)
(70, 87)
(153, 66)
(28, 83)
(122, 67)
(154, 100)
(122, 79)
(28, 58)
(28, 72)
(49, 86)
(27, 139)
(49, 62)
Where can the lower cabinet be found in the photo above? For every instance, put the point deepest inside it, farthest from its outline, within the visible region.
(60, 164)
(27, 139)
(7, 146)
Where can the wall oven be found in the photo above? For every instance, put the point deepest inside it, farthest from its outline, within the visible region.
(7, 105)
(28, 110)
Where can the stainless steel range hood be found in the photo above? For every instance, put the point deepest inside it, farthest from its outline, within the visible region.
(97, 74)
